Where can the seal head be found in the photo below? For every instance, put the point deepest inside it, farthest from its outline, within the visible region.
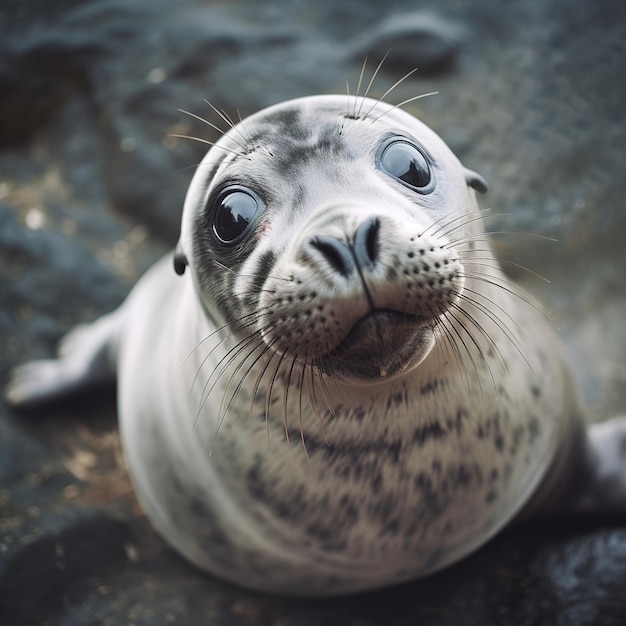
(330, 229)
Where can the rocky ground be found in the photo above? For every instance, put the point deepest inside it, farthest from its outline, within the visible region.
(531, 94)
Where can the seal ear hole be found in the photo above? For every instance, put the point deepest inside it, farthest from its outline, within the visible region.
(406, 163)
(476, 181)
(234, 211)
(180, 260)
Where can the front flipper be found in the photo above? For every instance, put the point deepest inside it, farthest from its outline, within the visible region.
(87, 357)
(603, 488)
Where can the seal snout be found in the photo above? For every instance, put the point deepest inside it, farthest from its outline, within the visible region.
(359, 294)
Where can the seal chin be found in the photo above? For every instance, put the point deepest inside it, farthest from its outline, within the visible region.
(380, 346)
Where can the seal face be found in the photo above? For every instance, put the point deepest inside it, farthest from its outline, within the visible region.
(325, 221)
(391, 400)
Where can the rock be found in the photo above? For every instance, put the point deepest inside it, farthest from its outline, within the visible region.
(420, 40)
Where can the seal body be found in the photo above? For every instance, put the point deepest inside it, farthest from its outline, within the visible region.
(342, 391)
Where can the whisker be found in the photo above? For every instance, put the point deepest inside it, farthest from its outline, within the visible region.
(221, 113)
(256, 314)
(300, 420)
(477, 217)
(210, 143)
(486, 311)
(228, 120)
(369, 85)
(407, 101)
(481, 329)
(315, 404)
(450, 343)
(225, 406)
(268, 396)
(454, 331)
(213, 126)
(255, 275)
(483, 236)
(476, 345)
(382, 98)
(515, 293)
(285, 403)
(257, 382)
(241, 379)
(222, 368)
(436, 229)
(324, 393)
(208, 356)
(358, 90)
(242, 130)
(188, 167)
(490, 303)
(473, 261)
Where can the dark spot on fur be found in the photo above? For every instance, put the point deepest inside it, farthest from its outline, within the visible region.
(349, 510)
(463, 476)
(430, 387)
(391, 528)
(424, 433)
(285, 121)
(534, 428)
(377, 482)
(434, 496)
(293, 151)
(516, 438)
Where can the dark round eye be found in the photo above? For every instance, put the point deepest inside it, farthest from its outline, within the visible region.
(406, 163)
(235, 210)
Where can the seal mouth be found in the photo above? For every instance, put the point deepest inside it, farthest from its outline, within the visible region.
(380, 345)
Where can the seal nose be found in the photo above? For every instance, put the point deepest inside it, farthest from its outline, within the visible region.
(344, 257)
(336, 252)
(366, 243)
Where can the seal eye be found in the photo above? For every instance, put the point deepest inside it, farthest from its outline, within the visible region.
(405, 162)
(235, 210)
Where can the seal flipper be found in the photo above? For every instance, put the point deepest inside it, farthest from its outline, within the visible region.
(588, 479)
(87, 358)
(603, 487)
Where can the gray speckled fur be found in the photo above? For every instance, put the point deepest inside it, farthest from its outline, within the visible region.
(351, 464)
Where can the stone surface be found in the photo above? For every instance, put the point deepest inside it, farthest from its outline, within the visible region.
(91, 190)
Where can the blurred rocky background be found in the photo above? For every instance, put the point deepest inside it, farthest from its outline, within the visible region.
(532, 94)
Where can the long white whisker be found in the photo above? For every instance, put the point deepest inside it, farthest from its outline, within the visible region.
(407, 101)
(398, 82)
(213, 126)
(209, 143)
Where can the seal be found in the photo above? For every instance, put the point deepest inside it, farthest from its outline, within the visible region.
(340, 390)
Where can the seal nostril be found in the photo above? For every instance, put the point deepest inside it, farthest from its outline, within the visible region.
(336, 253)
(366, 242)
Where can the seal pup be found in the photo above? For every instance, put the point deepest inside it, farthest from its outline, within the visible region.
(338, 389)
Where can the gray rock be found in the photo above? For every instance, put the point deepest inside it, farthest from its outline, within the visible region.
(421, 40)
